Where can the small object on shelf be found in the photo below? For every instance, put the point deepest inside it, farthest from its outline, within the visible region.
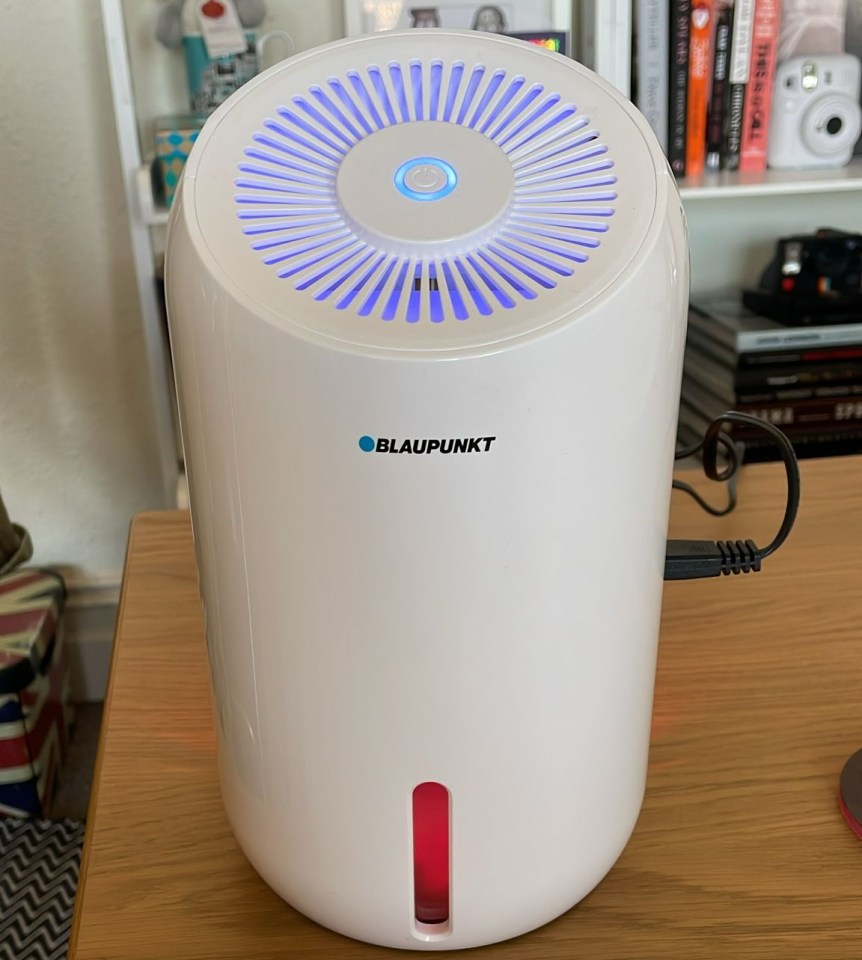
(222, 52)
(812, 279)
(425, 17)
(174, 138)
(489, 19)
(816, 119)
(554, 40)
(169, 25)
(34, 677)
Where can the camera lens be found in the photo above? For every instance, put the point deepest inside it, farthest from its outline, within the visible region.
(834, 125)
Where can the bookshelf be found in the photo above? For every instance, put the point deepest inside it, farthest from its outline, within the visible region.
(734, 218)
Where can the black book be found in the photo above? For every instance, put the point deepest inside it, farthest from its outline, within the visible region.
(775, 381)
(718, 94)
(796, 416)
(678, 51)
(839, 440)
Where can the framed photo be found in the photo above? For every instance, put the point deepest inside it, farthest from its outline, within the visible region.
(555, 40)
(499, 16)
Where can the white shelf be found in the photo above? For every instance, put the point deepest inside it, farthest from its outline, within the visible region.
(717, 186)
(139, 232)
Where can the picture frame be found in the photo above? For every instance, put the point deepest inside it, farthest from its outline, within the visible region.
(497, 16)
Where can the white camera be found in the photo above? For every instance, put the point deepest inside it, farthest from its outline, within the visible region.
(816, 119)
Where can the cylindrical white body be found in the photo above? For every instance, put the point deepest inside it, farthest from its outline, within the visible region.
(487, 619)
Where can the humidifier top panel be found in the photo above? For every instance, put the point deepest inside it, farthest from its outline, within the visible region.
(423, 191)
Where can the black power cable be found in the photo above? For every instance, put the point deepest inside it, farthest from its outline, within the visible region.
(729, 475)
(692, 559)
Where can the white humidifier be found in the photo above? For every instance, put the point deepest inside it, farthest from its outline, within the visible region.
(427, 296)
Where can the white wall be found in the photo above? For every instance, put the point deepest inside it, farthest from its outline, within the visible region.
(78, 449)
(78, 455)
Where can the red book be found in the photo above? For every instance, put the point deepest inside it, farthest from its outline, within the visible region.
(699, 71)
(758, 100)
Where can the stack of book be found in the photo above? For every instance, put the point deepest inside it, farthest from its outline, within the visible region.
(805, 380)
(703, 78)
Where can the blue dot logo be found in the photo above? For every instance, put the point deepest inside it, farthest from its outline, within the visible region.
(367, 444)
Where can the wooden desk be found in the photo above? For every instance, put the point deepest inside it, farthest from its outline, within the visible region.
(740, 851)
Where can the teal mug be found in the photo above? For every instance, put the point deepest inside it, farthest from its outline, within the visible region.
(213, 80)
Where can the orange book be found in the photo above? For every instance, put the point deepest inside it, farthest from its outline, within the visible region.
(699, 70)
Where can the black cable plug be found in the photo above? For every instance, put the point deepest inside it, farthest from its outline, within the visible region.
(693, 559)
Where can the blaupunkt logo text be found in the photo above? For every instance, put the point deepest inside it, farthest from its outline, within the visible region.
(426, 445)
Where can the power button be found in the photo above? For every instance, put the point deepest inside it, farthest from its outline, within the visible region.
(426, 178)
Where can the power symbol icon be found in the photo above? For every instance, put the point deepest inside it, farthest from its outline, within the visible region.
(426, 178)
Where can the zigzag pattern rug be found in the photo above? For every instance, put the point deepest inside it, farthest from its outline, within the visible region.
(38, 878)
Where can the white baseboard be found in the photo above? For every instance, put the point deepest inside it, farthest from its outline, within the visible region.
(90, 618)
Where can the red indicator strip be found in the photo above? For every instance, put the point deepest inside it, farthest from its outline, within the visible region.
(431, 853)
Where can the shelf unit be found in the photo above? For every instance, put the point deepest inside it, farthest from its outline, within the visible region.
(143, 252)
(722, 186)
(734, 218)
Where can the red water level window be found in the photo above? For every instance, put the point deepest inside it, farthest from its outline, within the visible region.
(431, 853)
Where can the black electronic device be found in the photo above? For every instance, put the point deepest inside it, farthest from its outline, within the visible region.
(812, 279)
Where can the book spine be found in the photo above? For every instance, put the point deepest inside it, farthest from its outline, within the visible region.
(738, 70)
(845, 391)
(680, 20)
(812, 338)
(758, 99)
(652, 69)
(772, 384)
(817, 413)
(767, 358)
(813, 376)
(826, 444)
(794, 415)
(699, 66)
(715, 120)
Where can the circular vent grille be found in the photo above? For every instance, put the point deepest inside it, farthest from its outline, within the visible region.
(462, 231)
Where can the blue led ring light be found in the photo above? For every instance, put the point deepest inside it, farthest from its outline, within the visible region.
(426, 178)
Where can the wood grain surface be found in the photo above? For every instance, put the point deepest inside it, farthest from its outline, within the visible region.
(740, 851)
